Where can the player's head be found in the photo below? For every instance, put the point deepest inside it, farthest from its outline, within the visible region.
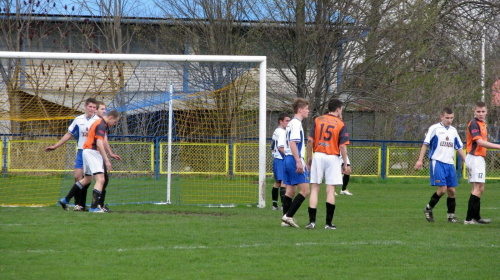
(90, 106)
(112, 117)
(300, 107)
(283, 120)
(101, 109)
(447, 116)
(480, 110)
(334, 105)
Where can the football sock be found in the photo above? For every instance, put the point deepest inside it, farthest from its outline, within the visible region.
(451, 203)
(96, 197)
(345, 181)
(73, 192)
(274, 196)
(473, 209)
(282, 194)
(434, 200)
(312, 214)
(287, 201)
(103, 193)
(330, 211)
(297, 201)
(478, 208)
(83, 195)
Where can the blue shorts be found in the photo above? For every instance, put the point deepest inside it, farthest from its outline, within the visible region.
(278, 169)
(291, 177)
(79, 160)
(443, 174)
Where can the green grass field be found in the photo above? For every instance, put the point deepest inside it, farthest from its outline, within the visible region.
(382, 234)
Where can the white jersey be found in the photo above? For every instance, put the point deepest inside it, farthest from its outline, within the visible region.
(295, 133)
(80, 128)
(279, 139)
(442, 142)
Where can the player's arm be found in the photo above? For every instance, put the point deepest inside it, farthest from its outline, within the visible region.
(63, 140)
(108, 149)
(295, 154)
(486, 144)
(419, 163)
(102, 151)
(343, 151)
(461, 153)
(310, 145)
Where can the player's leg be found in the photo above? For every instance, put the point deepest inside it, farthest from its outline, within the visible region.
(275, 194)
(103, 193)
(313, 205)
(330, 206)
(75, 190)
(451, 182)
(296, 203)
(476, 172)
(345, 182)
(97, 192)
(437, 179)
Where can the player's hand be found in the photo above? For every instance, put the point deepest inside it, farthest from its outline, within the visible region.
(346, 170)
(300, 168)
(51, 148)
(115, 156)
(418, 165)
(108, 165)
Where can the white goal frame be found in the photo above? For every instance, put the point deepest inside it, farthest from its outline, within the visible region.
(261, 60)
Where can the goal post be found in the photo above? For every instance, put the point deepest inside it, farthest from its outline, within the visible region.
(105, 77)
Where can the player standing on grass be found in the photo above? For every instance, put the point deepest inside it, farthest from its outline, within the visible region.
(278, 151)
(79, 129)
(295, 167)
(329, 139)
(443, 140)
(95, 157)
(477, 142)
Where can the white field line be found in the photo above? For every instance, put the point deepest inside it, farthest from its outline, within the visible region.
(259, 245)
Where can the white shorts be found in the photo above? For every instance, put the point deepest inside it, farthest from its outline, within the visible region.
(93, 162)
(476, 168)
(327, 166)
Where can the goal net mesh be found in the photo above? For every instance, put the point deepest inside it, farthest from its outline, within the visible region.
(214, 151)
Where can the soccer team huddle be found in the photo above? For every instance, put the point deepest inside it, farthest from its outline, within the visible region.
(92, 161)
(329, 138)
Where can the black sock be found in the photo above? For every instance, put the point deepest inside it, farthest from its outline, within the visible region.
(103, 193)
(96, 197)
(478, 208)
(297, 201)
(451, 203)
(345, 181)
(282, 194)
(287, 201)
(74, 192)
(473, 208)
(312, 214)
(330, 210)
(274, 196)
(83, 195)
(434, 200)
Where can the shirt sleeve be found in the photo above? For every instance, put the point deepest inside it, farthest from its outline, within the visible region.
(344, 136)
(428, 136)
(474, 130)
(73, 128)
(458, 142)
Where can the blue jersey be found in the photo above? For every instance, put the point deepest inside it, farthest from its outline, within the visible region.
(443, 142)
(80, 128)
(295, 133)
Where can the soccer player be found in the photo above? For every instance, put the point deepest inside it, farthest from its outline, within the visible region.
(79, 129)
(101, 112)
(95, 157)
(295, 168)
(443, 140)
(278, 151)
(329, 139)
(477, 143)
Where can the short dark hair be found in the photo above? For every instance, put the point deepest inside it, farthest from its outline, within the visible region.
(114, 114)
(447, 110)
(334, 104)
(90, 100)
(282, 116)
(480, 104)
(99, 103)
(299, 103)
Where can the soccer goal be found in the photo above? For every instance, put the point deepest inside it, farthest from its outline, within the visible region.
(192, 131)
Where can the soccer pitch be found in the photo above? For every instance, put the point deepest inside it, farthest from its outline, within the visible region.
(382, 234)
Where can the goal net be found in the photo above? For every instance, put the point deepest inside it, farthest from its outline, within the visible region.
(192, 129)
